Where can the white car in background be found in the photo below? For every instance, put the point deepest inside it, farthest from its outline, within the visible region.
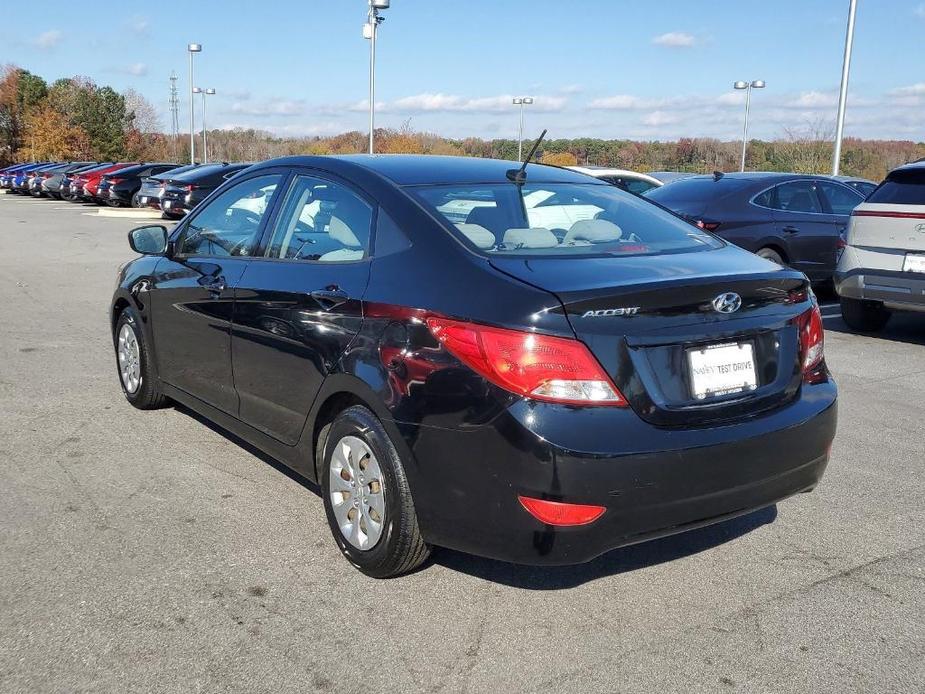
(632, 181)
(882, 268)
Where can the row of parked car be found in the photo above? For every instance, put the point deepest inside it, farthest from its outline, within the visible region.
(173, 188)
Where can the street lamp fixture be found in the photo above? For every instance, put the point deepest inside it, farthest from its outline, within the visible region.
(747, 86)
(205, 144)
(521, 101)
(370, 29)
(192, 48)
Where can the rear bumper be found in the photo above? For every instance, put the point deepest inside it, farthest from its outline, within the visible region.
(896, 289)
(466, 482)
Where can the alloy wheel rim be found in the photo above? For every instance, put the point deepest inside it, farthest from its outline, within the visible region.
(357, 492)
(129, 359)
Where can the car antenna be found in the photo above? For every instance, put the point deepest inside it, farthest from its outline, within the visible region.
(718, 175)
(519, 176)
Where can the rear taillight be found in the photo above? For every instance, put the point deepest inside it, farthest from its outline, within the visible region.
(189, 188)
(559, 513)
(113, 181)
(707, 226)
(552, 369)
(46, 175)
(812, 341)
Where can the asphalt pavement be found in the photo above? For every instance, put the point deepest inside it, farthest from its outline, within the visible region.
(150, 551)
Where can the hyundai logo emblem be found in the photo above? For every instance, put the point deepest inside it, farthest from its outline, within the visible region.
(730, 302)
(920, 228)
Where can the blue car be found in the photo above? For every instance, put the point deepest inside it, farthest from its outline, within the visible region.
(21, 180)
(8, 175)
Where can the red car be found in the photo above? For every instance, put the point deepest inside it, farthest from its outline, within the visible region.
(83, 187)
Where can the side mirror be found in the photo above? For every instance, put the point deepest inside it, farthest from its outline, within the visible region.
(148, 240)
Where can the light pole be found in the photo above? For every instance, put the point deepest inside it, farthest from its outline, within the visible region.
(521, 101)
(205, 145)
(370, 29)
(192, 48)
(747, 86)
(843, 94)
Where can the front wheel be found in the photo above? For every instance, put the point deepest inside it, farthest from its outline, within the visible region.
(367, 500)
(133, 359)
(864, 316)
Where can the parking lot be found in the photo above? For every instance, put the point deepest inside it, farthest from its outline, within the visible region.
(150, 551)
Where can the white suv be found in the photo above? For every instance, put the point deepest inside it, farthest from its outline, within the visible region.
(882, 268)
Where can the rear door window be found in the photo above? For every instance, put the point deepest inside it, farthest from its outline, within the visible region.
(841, 198)
(797, 196)
(321, 221)
(901, 188)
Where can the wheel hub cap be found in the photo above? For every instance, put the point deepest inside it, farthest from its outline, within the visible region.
(129, 359)
(357, 492)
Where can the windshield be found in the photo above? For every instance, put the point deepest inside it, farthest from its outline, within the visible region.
(559, 219)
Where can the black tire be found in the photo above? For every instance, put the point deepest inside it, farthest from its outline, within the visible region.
(148, 395)
(770, 254)
(400, 548)
(114, 203)
(864, 316)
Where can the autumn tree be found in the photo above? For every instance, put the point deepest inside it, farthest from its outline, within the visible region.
(21, 92)
(559, 158)
(49, 136)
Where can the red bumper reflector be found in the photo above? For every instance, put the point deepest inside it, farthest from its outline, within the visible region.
(559, 513)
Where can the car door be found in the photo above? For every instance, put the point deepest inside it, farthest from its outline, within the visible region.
(192, 292)
(299, 306)
(804, 227)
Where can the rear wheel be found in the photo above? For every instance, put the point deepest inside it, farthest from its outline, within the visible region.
(770, 254)
(366, 497)
(865, 316)
(136, 370)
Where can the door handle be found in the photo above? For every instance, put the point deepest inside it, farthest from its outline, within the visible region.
(791, 229)
(330, 298)
(214, 285)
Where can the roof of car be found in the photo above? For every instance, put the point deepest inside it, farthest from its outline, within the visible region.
(419, 169)
(917, 164)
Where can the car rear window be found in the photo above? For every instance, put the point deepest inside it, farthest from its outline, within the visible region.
(901, 188)
(688, 190)
(559, 219)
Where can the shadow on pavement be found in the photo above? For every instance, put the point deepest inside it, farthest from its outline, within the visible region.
(908, 328)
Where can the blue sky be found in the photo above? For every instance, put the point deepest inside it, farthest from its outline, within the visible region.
(599, 68)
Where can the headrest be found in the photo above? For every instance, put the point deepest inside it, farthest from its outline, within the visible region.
(340, 232)
(534, 237)
(479, 235)
(593, 231)
(341, 255)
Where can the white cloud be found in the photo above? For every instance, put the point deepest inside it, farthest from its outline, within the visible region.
(919, 11)
(140, 26)
(675, 39)
(270, 107)
(137, 69)
(452, 103)
(814, 99)
(621, 102)
(917, 89)
(48, 39)
(660, 118)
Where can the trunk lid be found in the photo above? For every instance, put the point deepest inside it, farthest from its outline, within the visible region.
(642, 315)
(889, 226)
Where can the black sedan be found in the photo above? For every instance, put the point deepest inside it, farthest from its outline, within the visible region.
(791, 219)
(119, 188)
(184, 191)
(482, 384)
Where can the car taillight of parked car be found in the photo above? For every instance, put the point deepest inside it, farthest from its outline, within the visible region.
(114, 181)
(812, 344)
(190, 188)
(541, 367)
(707, 226)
